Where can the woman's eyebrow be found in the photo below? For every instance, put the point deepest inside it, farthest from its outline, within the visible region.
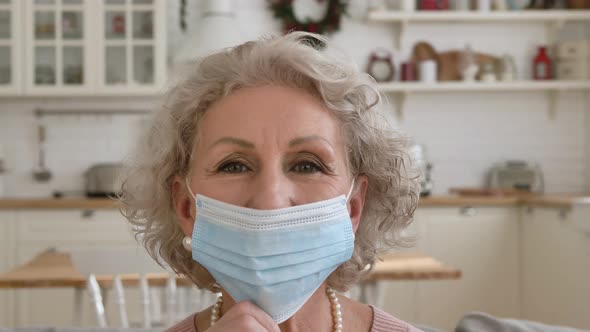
(301, 140)
(233, 140)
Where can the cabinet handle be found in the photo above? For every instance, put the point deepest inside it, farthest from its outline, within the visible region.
(469, 211)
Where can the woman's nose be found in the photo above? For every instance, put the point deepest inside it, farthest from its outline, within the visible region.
(271, 190)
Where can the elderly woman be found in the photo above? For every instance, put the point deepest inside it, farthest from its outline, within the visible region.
(269, 176)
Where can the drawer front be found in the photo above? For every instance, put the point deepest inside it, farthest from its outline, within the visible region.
(573, 70)
(573, 49)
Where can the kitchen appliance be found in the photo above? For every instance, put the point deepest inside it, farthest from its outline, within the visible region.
(103, 180)
(41, 173)
(425, 167)
(216, 29)
(517, 174)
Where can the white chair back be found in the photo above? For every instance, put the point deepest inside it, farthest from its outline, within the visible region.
(155, 306)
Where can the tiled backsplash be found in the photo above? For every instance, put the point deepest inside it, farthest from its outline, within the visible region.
(73, 142)
(463, 141)
(464, 133)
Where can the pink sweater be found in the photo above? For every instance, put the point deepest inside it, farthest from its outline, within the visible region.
(382, 322)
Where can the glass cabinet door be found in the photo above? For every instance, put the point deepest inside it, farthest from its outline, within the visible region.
(8, 45)
(58, 43)
(129, 50)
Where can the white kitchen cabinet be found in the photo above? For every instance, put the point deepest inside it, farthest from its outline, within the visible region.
(399, 297)
(10, 46)
(58, 46)
(90, 47)
(7, 262)
(483, 243)
(556, 269)
(131, 45)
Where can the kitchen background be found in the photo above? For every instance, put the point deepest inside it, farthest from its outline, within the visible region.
(464, 133)
(524, 259)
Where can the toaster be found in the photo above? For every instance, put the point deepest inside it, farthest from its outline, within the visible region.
(103, 180)
(517, 175)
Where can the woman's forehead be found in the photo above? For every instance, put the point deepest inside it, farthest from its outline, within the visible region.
(281, 114)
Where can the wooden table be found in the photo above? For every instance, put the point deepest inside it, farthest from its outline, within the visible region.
(52, 269)
(402, 266)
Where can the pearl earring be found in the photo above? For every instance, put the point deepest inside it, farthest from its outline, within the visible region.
(187, 243)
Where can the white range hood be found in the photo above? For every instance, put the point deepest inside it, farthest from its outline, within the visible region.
(215, 30)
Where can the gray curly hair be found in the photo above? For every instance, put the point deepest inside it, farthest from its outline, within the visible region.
(374, 150)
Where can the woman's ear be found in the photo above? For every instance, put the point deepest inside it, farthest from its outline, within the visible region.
(184, 206)
(356, 202)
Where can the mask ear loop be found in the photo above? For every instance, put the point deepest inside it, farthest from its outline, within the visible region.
(189, 188)
(187, 241)
(350, 190)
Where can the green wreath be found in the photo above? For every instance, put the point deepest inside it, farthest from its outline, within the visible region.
(283, 10)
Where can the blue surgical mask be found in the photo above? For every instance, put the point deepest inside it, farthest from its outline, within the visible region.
(275, 259)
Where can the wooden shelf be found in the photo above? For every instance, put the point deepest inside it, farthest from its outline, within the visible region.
(477, 17)
(553, 19)
(552, 88)
(517, 86)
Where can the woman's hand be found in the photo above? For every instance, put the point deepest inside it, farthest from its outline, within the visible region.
(245, 317)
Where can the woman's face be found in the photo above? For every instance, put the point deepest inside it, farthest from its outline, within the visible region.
(265, 148)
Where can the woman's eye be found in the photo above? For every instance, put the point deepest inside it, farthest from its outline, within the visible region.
(307, 167)
(233, 167)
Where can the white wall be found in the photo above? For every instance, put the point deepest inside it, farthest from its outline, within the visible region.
(464, 133)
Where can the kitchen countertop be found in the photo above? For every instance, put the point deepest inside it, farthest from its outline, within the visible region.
(550, 200)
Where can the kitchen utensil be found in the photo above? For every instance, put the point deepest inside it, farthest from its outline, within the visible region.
(507, 70)
(434, 4)
(517, 174)
(578, 4)
(103, 180)
(409, 5)
(500, 5)
(408, 71)
(541, 4)
(468, 65)
(423, 51)
(428, 71)
(449, 64)
(41, 173)
(488, 73)
(484, 5)
(461, 5)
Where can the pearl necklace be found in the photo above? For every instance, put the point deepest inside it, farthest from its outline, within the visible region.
(334, 303)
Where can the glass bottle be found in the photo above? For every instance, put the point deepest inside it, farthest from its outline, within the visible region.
(542, 65)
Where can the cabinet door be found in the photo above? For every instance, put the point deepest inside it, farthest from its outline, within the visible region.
(483, 243)
(10, 46)
(400, 297)
(7, 262)
(132, 39)
(556, 269)
(58, 47)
